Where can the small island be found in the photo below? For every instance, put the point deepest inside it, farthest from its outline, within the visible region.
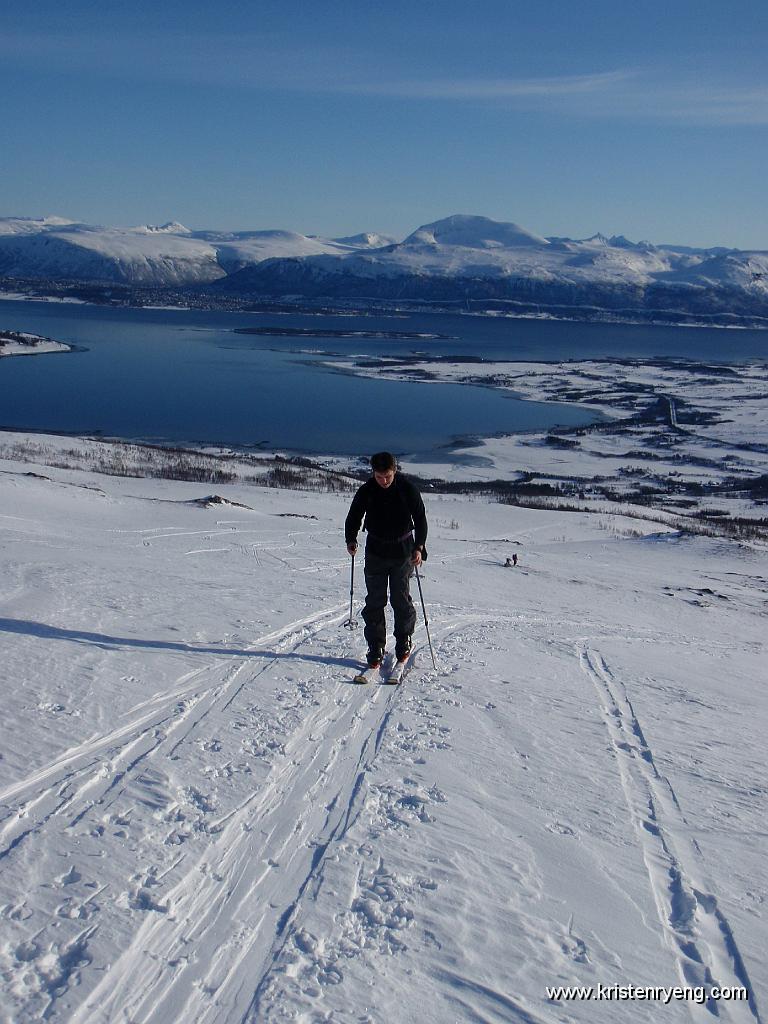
(18, 343)
(324, 332)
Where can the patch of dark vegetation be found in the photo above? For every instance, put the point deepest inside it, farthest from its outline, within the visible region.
(556, 441)
(266, 289)
(114, 458)
(29, 340)
(304, 479)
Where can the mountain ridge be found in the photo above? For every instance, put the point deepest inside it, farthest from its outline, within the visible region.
(456, 257)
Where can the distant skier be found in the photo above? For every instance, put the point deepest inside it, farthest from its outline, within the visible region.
(508, 563)
(396, 524)
(514, 558)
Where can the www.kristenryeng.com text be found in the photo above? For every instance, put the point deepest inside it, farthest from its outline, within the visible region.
(665, 994)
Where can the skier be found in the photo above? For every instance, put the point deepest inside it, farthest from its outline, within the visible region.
(396, 524)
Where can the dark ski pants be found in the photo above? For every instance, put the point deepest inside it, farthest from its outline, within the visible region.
(381, 573)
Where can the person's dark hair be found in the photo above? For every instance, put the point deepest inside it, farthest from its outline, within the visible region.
(382, 461)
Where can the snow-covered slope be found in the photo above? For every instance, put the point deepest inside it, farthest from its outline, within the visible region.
(32, 225)
(168, 254)
(202, 821)
(84, 252)
(366, 240)
(244, 248)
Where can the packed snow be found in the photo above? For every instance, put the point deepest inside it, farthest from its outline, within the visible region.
(204, 821)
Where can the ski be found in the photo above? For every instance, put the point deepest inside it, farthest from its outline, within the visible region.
(371, 673)
(368, 675)
(395, 676)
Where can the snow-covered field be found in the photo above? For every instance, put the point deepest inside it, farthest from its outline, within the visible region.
(15, 343)
(204, 821)
(706, 461)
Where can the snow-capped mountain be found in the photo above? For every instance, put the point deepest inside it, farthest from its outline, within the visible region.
(366, 240)
(164, 255)
(245, 248)
(54, 248)
(474, 257)
(458, 257)
(474, 233)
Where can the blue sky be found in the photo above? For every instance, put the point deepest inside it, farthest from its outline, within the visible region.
(648, 119)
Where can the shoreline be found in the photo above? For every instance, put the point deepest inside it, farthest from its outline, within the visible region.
(602, 316)
(678, 437)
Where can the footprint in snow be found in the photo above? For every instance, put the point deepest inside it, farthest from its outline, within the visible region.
(74, 910)
(560, 829)
(70, 877)
(20, 912)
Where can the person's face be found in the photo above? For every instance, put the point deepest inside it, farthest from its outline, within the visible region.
(384, 477)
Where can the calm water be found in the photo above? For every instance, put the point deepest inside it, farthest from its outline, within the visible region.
(183, 376)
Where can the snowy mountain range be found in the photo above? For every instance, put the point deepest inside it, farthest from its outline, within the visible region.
(168, 254)
(456, 257)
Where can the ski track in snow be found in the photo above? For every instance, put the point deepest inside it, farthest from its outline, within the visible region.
(218, 901)
(89, 778)
(82, 776)
(267, 853)
(694, 927)
(202, 953)
(307, 805)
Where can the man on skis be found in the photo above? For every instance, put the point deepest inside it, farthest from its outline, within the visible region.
(396, 524)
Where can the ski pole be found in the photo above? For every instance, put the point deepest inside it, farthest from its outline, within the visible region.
(426, 621)
(350, 623)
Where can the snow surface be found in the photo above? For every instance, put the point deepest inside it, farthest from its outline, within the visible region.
(21, 344)
(733, 399)
(203, 821)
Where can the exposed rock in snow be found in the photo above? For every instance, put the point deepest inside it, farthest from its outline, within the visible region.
(171, 228)
(366, 240)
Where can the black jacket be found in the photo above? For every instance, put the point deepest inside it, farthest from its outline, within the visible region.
(391, 513)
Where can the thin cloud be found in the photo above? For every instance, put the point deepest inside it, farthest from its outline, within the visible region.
(629, 94)
(747, 106)
(497, 88)
(273, 62)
